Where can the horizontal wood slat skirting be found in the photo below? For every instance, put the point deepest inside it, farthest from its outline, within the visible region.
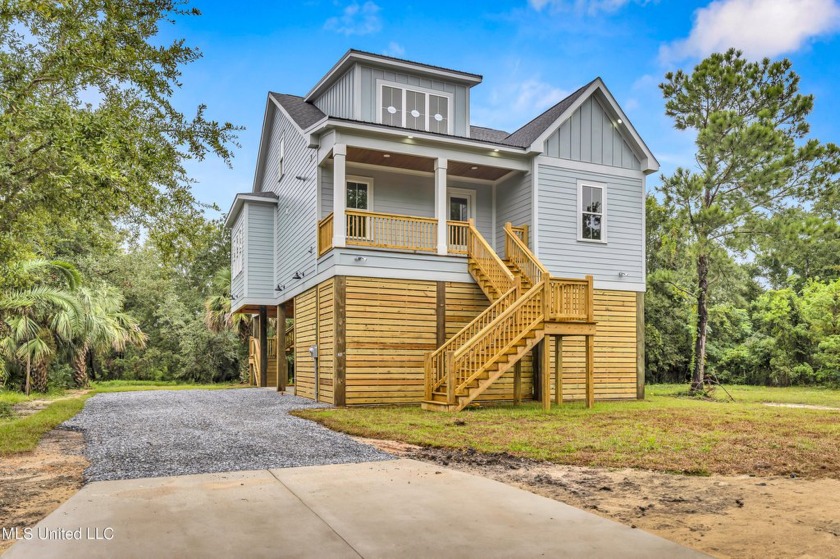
(390, 325)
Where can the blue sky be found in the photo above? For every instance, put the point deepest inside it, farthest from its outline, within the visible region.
(531, 54)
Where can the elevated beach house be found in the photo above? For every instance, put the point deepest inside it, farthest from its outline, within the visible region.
(409, 256)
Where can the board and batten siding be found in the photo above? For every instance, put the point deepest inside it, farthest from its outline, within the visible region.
(513, 204)
(590, 135)
(559, 248)
(337, 101)
(369, 75)
(297, 212)
(408, 194)
(259, 247)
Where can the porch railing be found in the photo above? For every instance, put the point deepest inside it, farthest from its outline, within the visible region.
(325, 234)
(571, 300)
(457, 235)
(401, 232)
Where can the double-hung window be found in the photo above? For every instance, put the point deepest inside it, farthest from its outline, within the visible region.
(592, 213)
(415, 108)
(237, 249)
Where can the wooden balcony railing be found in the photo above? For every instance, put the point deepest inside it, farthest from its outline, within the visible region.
(325, 234)
(457, 235)
(570, 300)
(500, 277)
(521, 231)
(520, 255)
(402, 232)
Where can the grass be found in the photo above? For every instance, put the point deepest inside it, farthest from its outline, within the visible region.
(817, 396)
(664, 432)
(23, 434)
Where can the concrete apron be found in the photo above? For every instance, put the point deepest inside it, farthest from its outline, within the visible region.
(400, 508)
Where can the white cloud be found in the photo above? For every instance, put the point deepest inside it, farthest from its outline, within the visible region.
(590, 7)
(356, 19)
(394, 49)
(758, 27)
(512, 104)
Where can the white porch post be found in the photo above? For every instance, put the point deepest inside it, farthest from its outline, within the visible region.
(339, 195)
(440, 204)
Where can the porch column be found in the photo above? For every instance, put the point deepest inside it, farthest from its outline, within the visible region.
(339, 195)
(263, 346)
(440, 204)
(282, 364)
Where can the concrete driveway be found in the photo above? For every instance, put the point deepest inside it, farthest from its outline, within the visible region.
(389, 509)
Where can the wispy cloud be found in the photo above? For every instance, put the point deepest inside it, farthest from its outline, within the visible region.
(589, 7)
(758, 27)
(356, 19)
(394, 49)
(515, 102)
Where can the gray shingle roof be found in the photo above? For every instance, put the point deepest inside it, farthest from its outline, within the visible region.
(526, 135)
(432, 66)
(483, 134)
(303, 113)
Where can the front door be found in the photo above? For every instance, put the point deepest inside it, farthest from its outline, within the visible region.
(460, 209)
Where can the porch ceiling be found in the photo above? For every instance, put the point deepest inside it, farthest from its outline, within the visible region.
(424, 164)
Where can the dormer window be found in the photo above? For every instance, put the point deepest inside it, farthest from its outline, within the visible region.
(415, 108)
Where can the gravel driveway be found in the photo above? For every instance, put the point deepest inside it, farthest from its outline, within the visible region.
(163, 433)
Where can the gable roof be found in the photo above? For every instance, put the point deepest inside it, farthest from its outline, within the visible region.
(527, 134)
(242, 198)
(304, 114)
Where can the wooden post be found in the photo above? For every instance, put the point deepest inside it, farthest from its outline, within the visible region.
(263, 346)
(427, 375)
(340, 318)
(590, 299)
(440, 313)
(640, 346)
(590, 371)
(282, 363)
(536, 365)
(450, 377)
(558, 369)
(545, 367)
(517, 382)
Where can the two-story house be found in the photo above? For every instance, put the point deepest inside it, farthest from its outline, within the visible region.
(423, 259)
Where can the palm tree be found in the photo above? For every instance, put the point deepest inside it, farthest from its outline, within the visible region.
(33, 321)
(217, 315)
(103, 326)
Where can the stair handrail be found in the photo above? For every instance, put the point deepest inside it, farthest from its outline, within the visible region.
(486, 258)
(499, 336)
(435, 360)
(519, 254)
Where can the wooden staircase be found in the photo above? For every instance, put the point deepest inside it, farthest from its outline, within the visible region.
(525, 301)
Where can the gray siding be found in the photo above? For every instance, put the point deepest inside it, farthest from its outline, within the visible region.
(338, 99)
(296, 223)
(589, 135)
(459, 92)
(237, 283)
(326, 191)
(513, 204)
(559, 248)
(259, 250)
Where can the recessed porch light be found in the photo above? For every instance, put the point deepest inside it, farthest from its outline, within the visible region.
(410, 137)
(474, 168)
(618, 121)
(386, 155)
(496, 150)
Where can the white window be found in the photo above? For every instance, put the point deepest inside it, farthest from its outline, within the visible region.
(414, 108)
(237, 249)
(281, 155)
(592, 214)
(461, 204)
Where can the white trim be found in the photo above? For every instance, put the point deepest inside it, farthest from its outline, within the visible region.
(361, 180)
(245, 252)
(264, 141)
(240, 200)
(351, 56)
(585, 166)
(441, 204)
(450, 124)
(281, 156)
(535, 208)
(339, 195)
(237, 257)
(495, 150)
(644, 229)
(604, 229)
(461, 193)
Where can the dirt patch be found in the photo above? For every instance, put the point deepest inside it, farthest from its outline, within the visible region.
(725, 516)
(30, 407)
(34, 484)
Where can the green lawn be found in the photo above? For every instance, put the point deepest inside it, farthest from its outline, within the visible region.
(665, 432)
(23, 434)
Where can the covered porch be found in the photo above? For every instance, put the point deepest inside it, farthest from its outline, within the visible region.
(384, 199)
